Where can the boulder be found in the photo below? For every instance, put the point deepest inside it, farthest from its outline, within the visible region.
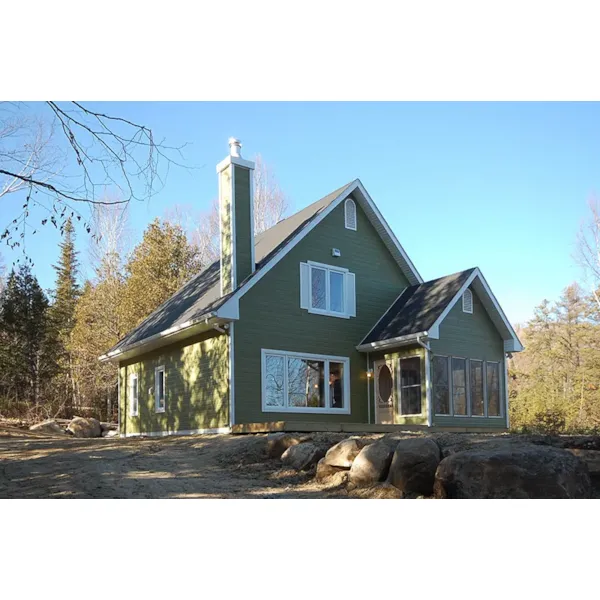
(108, 427)
(278, 443)
(380, 491)
(85, 427)
(512, 470)
(326, 472)
(413, 466)
(344, 453)
(302, 456)
(50, 426)
(592, 460)
(110, 433)
(371, 465)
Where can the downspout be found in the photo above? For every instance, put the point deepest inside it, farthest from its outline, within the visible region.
(427, 380)
(368, 391)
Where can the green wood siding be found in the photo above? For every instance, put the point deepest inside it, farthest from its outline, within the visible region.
(271, 317)
(196, 390)
(471, 336)
(226, 224)
(394, 357)
(243, 225)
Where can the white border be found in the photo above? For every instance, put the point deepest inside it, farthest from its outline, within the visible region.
(214, 430)
(157, 408)
(231, 375)
(308, 409)
(130, 394)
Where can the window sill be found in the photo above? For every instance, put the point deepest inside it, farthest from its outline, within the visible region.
(327, 313)
(159, 410)
(309, 410)
(134, 414)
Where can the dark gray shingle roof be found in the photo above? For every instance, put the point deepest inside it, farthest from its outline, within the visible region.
(417, 308)
(201, 295)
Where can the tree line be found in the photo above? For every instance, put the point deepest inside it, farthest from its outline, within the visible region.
(50, 342)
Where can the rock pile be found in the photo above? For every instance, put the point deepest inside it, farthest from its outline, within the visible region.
(80, 427)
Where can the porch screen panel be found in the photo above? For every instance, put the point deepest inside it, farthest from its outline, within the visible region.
(493, 389)
(441, 385)
(410, 386)
(459, 386)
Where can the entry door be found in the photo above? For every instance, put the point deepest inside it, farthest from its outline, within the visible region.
(384, 392)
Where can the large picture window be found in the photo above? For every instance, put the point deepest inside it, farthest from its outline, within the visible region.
(410, 386)
(295, 382)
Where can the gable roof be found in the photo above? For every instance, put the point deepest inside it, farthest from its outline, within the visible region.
(420, 309)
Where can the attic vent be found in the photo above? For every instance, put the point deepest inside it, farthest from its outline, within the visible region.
(467, 301)
(350, 208)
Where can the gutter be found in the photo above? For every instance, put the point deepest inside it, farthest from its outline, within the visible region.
(163, 334)
(397, 341)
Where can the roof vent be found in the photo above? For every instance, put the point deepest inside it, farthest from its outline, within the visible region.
(235, 147)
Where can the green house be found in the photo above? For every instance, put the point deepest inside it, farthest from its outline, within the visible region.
(322, 322)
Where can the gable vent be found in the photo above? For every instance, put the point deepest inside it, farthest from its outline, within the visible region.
(467, 302)
(350, 212)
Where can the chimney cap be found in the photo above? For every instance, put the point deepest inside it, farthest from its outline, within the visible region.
(235, 147)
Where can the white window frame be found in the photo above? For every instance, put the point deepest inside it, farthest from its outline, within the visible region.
(467, 293)
(350, 202)
(157, 408)
(134, 377)
(328, 269)
(399, 384)
(306, 409)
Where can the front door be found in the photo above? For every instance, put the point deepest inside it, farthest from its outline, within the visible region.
(384, 392)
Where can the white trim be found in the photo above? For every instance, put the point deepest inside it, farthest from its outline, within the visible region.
(356, 184)
(397, 341)
(306, 409)
(234, 160)
(119, 399)
(214, 430)
(368, 392)
(507, 413)
(353, 204)
(382, 316)
(157, 408)
(428, 385)
(137, 395)
(231, 375)
(233, 220)
(434, 329)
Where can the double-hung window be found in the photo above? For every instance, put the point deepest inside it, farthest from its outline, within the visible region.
(327, 290)
(133, 395)
(297, 382)
(159, 390)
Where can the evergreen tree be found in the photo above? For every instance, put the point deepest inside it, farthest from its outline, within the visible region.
(63, 314)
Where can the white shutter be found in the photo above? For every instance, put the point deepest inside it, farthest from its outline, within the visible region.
(304, 286)
(350, 295)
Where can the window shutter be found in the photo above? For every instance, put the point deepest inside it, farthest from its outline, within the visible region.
(350, 294)
(304, 286)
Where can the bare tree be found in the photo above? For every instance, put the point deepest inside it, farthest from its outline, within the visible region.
(270, 206)
(588, 248)
(90, 153)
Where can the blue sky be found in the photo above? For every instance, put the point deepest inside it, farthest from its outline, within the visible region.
(502, 186)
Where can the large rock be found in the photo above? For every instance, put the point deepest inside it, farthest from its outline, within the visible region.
(326, 472)
(413, 466)
(85, 427)
(344, 453)
(512, 470)
(371, 465)
(380, 491)
(278, 443)
(302, 456)
(50, 426)
(592, 460)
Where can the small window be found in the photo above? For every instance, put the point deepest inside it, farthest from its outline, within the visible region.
(410, 386)
(467, 301)
(327, 290)
(350, 213)
(133, 395)
(159, 391)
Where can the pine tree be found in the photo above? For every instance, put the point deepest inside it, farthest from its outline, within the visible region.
(63, 314)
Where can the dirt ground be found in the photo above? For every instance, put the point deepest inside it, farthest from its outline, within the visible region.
(34, 465)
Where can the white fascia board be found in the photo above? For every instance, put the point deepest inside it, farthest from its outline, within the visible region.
(160, 339)
(389, 231)
(402, 340)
